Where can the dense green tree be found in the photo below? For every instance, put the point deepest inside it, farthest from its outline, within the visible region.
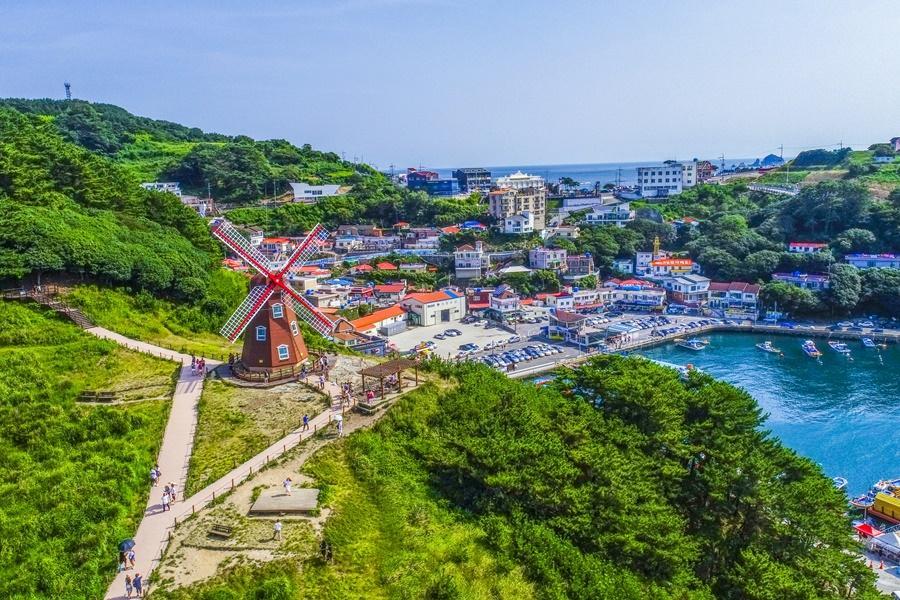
(845, 288)
(855, 240)
(788, 298)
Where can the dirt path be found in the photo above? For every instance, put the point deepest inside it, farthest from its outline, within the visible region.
(194, 555)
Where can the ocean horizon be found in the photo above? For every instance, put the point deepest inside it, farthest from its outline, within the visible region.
(585, 173)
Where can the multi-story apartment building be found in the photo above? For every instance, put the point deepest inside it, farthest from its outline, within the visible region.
(689, 290)
(470, 262)
(473, 180)
(506, 202)
(579, 265)
(735, 297)
(666, 179)
(547, 258)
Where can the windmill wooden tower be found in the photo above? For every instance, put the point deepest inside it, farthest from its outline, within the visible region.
(272, 310)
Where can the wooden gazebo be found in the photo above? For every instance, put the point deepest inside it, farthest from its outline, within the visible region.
(387, 369)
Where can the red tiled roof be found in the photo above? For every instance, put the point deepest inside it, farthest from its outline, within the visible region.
(376, 317)
(386, 266)
(451, 229)
(391, 288)
(733, 286)
(276, 240)
(568, 317)
(427, 297)
(809, 244)
(363, 268)
(465, 248)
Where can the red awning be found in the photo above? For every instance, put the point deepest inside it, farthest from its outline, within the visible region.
(866, 530)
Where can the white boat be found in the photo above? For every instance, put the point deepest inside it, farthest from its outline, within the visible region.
(868, 342)
(809, 347)
(839, 347)
(839, 482)
(768, 347)
(692, 344)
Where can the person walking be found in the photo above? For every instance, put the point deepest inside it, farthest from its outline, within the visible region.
(165, 501)
(154, 477)
(287, 485)
(305, 422)
(276, 535)
(128, 587)
(341, 428)
(138, 582)
(321, 382)
(172, 490)
(130, 555)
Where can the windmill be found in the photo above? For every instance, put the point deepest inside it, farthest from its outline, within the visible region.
(272, 307)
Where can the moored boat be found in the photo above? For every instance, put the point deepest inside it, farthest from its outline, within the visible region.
(693, 344)
(839, 347)
(840, 483)
(809, 347)
(768, 347)
(869, 342)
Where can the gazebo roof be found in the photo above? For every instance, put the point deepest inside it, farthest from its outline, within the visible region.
(390, 367)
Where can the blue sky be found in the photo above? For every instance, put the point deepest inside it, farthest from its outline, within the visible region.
(458, 82)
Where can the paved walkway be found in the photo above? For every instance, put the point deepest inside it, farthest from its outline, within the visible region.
(155, 528)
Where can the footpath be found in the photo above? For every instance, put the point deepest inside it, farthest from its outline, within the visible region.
(155, 528)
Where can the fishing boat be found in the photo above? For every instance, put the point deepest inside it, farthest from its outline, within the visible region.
(840, 483)
(869, 342)
(839, 347)
(809, 347)
(864, 501)
(891, 487)
(768, 347)
(692, 344)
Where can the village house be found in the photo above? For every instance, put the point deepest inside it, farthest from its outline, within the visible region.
(470, 262)
(618, 214)
(874, 261)
(432, 308)
(623, 265)
(359, 230)
(579, 265)
(346, 335)
(735, 297)
(547, 258)
(390, 292)
(809, 281)
(806, 247)
(310, 194)
(273, 246)
(386, 321)
(347, 243)
(671, 267)
(688, 290)
(635, 294)
(519, 224)
(361, 269)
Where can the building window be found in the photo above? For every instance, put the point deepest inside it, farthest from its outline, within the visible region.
(277, 311)
(283, 353)
(260, 334)
(294, 329)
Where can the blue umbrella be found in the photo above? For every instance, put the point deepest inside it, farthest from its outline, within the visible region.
(126, 545)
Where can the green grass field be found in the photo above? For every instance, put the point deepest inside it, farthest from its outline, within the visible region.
(73, 478)
(150, 320)
(392, 537)
(147, 159)
(236, 423)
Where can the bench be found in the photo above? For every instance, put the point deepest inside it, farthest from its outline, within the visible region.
(88, 397)
(219, 530)
(106, 396)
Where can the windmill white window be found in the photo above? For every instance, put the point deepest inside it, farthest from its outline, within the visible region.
(277, 311)
(283, 353)
(260, 334)
(294, 329)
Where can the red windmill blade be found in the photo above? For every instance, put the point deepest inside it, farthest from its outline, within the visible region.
(275, 279)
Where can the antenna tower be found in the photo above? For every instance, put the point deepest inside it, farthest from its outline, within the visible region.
(68, 90)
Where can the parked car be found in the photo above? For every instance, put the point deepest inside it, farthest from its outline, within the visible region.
(514, 339)
(453, 332)
(440, 336)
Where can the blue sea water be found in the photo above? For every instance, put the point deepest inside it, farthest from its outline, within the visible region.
(845, 415)
(587, 174)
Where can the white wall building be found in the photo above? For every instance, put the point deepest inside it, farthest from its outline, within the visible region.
(610, 214)
(570, 204)
(520, 224)
(433, 308)
(661, 180)
(304, 192)
(171, 187)
(623, 265)
(470, 262)
(520, 181)
(547, 258)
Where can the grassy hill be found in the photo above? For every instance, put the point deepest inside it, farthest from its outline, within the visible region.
(73, 477)
(622, 482)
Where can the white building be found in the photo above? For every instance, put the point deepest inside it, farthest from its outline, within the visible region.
(519, 224)
(642, 262)
(547, 258)
(690, 290)
(432, 308)
(470, 262)
(874, 261)
(163, 186)
(520, 181)
(505, 202)
(689, 174)
(304, 192)
(580, 203)
(663, 180)
(610, 214)
(623, 265)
